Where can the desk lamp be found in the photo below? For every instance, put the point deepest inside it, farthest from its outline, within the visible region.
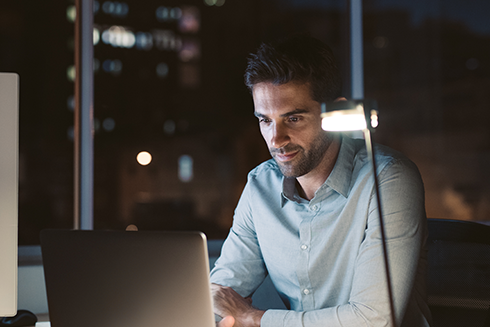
(355, 115)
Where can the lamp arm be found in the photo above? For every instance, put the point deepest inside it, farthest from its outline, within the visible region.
(370, 153)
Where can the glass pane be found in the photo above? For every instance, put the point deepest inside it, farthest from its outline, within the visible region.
(427, 64)
(169, 81)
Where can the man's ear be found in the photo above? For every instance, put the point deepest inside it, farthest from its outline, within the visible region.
(340, 99)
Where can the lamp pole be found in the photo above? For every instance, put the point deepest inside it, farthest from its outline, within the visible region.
(370, 153)
(356, 50)
(357, 92)
(362, 115)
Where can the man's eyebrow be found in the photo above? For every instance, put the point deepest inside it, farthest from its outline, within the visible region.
(293, 112)
(259, 115)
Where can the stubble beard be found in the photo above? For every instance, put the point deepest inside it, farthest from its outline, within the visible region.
(304, 161)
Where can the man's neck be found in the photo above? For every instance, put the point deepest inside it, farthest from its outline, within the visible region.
(308, 184)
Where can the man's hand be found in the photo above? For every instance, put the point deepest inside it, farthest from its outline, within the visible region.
(227, 302)
(227, 321)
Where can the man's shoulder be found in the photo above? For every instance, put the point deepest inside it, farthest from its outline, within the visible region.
(389, 159)
(385, 156)
(383, 153)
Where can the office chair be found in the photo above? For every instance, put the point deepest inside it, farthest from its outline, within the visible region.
(458, 281)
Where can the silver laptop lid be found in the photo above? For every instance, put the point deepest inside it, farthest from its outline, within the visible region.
(9, 152)
(127, 279)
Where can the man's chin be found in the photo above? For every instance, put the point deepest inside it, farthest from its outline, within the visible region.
(286, 169)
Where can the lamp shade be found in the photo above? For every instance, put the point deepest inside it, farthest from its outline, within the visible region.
(350, 115)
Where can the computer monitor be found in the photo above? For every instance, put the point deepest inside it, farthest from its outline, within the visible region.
(9, 153)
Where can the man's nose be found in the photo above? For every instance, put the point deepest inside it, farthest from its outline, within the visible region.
(280, 137)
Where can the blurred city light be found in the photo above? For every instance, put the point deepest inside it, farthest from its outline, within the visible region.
(119, 37)
(143, 158)
(96, 36)
(169, 127)
(217, 3)
(109, 124)
(71, 73)
(112, 66)
(162, 70)
(71, 13)
(186, 172)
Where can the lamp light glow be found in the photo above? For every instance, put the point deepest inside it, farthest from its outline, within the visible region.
(344, 120)
(348, 116)
(374, 118)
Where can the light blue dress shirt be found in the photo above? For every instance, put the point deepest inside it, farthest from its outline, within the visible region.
(325, 256)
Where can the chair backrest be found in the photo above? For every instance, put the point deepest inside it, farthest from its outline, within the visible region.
(459, 273)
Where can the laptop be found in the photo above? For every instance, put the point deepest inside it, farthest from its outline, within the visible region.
(127, 278)
(9, 154)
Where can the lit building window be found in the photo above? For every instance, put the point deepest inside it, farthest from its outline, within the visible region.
(71, 103)
(96, 64)
(113, 67)
(71, 73)
(190, 50)
(144, 41)
(190, 20)
(119, 37)
(96, 36)
(109, 124)
(186, 168)
(162, 70)
(96, 7)
(169, 127)
(71, 13)
(115, 9)
(217, 3)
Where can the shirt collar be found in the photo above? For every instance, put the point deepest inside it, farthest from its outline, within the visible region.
(339, 179)
(289, 191)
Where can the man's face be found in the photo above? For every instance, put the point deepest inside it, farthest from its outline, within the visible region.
(290, 123)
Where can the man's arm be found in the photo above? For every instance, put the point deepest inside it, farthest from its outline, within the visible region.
(227, 321)
(240, 269)
(240, 264)
(227, 302)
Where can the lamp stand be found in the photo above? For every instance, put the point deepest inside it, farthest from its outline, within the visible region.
(370, 153)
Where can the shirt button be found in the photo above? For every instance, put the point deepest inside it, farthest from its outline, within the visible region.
(304, 247)
(306, 291)
(314, 207)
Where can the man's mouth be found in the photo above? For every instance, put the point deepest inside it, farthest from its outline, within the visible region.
(283, 157)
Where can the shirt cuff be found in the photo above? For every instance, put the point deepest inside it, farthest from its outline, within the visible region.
(273, 318)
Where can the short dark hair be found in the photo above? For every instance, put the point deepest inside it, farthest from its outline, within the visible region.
(298, 58)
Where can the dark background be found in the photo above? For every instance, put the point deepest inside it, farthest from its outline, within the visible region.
(426, 62)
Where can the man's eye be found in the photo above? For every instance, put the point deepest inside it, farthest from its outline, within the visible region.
(264, 120)
(294, 119)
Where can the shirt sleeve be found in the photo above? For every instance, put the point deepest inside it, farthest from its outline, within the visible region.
(402, 200)
(240, 265)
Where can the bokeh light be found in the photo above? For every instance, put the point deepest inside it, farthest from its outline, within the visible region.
(144, 158)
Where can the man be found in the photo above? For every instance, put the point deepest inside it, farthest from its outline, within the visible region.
(308, 217)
